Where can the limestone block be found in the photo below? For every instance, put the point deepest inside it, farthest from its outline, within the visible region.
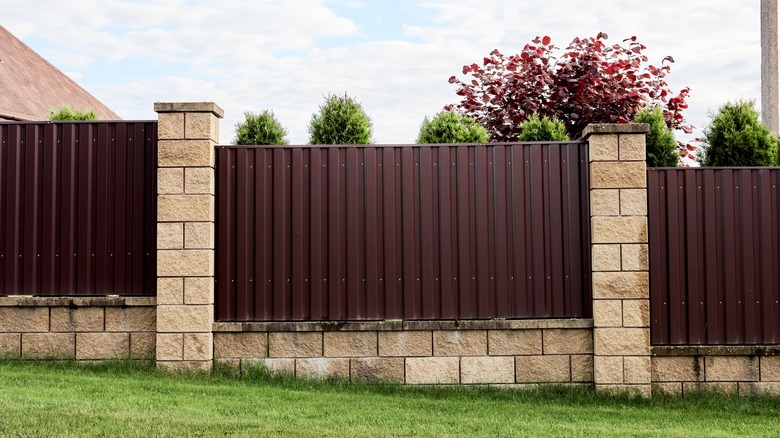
(406, 343)
(199, 180)
(179, 153)
(295, 344)
(241, 344)
(605, 202)
(143, 345)
(199, 235)
(632, 147)
(722, 387)
(185, 263)
(605, 257)
(432, 370)
(487, 369)
(514, 342)
(678, 369)
(322, 368)
(81, 319)
(170, 235)
(199, 290)
(170, 290)
(625, 389)
(669, 389)
(185, 366)
(620, 285)
(184, 319)
(770, 368)
(10, 345)
(635, 257)
(636, 313)
(607, 369)
(582, 368)
(102, 346)
(621, 341)
(24, 319)
(131, 319)
(622, 229)
(350, 344)
(567, 341)
(170, 180)
(618, 175)
(198, 126)
(380, 369)
(636, 369)
(170, 126)
(759, 388)
(198, 346)
(185, 208)
(603, 147)
(607, 313)
(169, 346)
(731, 369)
(48, 345)
(542, 369)
(633, 202)
(460, 343)
(275, 366)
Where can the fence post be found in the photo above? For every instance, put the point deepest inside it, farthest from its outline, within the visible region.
(187, 133)
(621, 289)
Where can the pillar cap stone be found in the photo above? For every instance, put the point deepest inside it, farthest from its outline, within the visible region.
(615, 128)
(189, 107)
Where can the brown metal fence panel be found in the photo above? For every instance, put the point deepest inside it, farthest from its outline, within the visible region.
(332, 233)
(78, 208)
(714, 256)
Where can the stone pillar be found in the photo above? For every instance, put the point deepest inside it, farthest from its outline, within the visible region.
(621, 295)
(187, 133)
(769, 67)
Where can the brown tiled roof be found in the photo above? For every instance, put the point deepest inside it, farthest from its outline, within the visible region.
(30, 87)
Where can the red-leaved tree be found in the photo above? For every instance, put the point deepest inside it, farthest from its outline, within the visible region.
(592, 82)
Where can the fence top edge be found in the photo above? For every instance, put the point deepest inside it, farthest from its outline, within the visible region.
(400, 145)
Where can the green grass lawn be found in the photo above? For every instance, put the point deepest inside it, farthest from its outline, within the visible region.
(119, 399)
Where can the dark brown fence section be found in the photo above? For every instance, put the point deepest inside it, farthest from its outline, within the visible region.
(402, 232)
(78, 208)
(714, 256)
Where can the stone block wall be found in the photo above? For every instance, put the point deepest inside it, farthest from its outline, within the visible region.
(77, 328)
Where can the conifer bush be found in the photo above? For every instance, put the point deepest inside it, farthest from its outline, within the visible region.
(340, 120)
(735, 137)
(543, 129)
(661, 145)
(260, 129)
(451, 127)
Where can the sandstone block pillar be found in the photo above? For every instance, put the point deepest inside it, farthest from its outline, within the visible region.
(187, 135)
(621, 289)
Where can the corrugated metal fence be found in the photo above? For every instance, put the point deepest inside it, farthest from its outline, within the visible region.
(714, 255)
(412, 232)
(78, 208)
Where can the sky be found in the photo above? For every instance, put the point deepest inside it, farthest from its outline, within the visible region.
(394, 57)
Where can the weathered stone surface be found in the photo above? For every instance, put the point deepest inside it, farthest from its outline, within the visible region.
(622, 229)
(406, 343)
(605, 202)
(563, 341)
(612, 285)
(170, 180)
(460, 343)
(82, 319)
(102, 346)
(731, 369)
(170, 290)
(594, 129)
(543, 369)
(10, 345)
(295, 344)
(199, 290)
(618, 175)
(379, 369)
(607, 370)
(198, 126)
(487, 369)
(48, 345)
(759, 388)
(678, 369)
(605, 257)
(625, 389)
(632, 147)
(696, 387)
(621, 341)
(582, 368)
(636, 369)
(242, 345)
(322, 368)
(170, 235)
(177, 153)
(131, 319)
(185, 262)
(185, 366)
(432, 370)
(633, 202)
(205, 107)
(770, 368)
(185, 208)
(143, 345)
(184, 319)
(169, 346)
(608, 313)
(603, 147)
(24, 319)
(199, 235)
(199, 180)
(350, 344)
(170, 126)
(673, 389)
(636, 313)
(514, 342)
(275, 366)
(198, 346)
(635, 257)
